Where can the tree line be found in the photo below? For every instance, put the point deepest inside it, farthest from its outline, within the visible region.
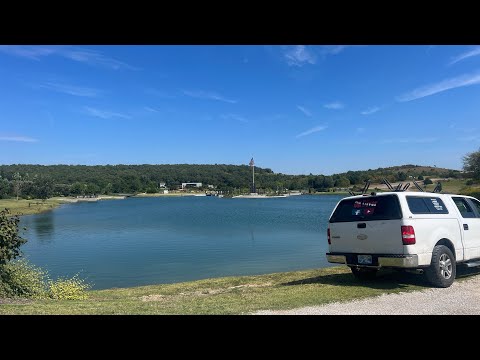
(43, 181)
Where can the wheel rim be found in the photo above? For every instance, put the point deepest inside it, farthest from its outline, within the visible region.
(446, 267)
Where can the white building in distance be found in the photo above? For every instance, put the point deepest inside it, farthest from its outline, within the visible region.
(192, 184)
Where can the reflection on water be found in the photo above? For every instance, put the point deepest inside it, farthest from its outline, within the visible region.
(252, 237)
(44, 226)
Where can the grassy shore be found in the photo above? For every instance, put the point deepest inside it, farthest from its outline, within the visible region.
(231, 295)
(28, 207)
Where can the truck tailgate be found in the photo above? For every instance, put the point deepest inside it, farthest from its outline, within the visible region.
(368, 237)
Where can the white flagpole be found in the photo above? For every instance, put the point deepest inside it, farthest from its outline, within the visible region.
(253, 177)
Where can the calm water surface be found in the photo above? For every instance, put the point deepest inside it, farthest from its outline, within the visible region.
(141, 241)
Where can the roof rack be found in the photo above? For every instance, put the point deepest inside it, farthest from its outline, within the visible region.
(438, 188)
(386, 182)
(364, 190)
(419, 188)
(397, 188)
(400, 186)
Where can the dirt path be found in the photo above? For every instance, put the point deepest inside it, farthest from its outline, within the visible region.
(462, 298)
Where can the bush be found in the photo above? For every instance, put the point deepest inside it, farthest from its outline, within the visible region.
(469, 182)
(22, 279)
(68, 289)
(10, 241)
(427, 181)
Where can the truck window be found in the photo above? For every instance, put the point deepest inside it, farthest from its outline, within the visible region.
(426, 205)
(367, 209)
(465, 209)
(476, 203)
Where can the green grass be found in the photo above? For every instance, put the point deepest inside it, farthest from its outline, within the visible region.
(27, 207)
(229, 295)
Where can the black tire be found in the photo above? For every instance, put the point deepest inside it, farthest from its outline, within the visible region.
(443, 269)
(363, 273)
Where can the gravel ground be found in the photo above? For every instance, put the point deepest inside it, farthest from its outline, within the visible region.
(462, 298)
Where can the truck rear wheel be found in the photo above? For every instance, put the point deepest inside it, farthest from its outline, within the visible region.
(443, 269)
(363, 273)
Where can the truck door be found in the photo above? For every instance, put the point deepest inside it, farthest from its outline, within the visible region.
(470, 224)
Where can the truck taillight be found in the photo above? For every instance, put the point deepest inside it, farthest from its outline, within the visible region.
(328, 236)
(408, 235)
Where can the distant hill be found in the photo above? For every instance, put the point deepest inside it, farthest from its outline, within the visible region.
(399, 173)
(43, 180)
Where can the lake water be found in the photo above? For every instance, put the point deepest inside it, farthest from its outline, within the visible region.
(142, 241)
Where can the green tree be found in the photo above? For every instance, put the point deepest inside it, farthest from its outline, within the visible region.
(4, 188)
(92, 189)
(427, 181)
(420, 177)
(78, 188)
(43, 187)
(10, 241)
(327, 182)
(342, 182)
(401, 176)
(471, 163)
(17, 184)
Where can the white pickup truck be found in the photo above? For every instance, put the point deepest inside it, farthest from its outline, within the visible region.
(431, 232)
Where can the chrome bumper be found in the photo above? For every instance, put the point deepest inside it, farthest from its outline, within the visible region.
(401, 261)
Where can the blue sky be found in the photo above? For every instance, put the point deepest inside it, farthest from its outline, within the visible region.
(296, 109)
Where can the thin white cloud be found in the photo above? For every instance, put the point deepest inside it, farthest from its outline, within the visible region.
(18, 138)
(409, 140)
(299, 55)
(337, 105)
(465, 55)
(208, 96)
(148, 108)
(304, 110)
(311, 131)
(94, 58)
(29, 52)
(159, 93)
(469, 138)
(333, 49)
(370, 111)
(444, 85)
(360, 130)
(86, 56)
(70, 89)
(235, 117)
(104, 114)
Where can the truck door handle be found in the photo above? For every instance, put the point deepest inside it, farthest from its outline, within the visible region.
(465, 226)
(361, 225)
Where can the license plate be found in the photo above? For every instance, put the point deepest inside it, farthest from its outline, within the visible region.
(364, 259)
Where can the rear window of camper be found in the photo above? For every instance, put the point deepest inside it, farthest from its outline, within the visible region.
(368, 208)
